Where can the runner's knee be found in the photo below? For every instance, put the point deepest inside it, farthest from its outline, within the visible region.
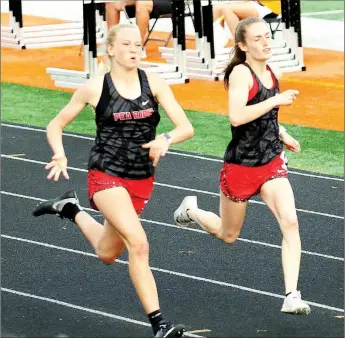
(107, 258)
(139, 248)
(110, 6)
(229, 238)
(144, 6)
(289, 222)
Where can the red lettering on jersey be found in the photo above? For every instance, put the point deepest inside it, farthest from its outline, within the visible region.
(141, 114)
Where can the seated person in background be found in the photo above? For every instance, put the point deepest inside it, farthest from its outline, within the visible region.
(142, 10)
(233, 11)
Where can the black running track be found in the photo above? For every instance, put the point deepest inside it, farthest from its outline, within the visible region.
(54, 286)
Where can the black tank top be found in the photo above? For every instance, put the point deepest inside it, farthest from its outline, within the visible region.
(257, 142)
(123, 126)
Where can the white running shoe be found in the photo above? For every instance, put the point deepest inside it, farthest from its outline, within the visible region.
(294, 304)
(180, 215)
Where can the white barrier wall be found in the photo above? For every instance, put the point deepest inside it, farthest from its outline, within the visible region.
(315, 32)
(71, 10)
(4, 6)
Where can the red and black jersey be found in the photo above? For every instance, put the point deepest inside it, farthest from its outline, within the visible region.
(123, 126)
(257, 142)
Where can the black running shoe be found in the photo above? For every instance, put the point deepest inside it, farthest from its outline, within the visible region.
(167, 330)
(57, 206)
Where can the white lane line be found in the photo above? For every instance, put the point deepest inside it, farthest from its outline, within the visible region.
(337, 11)
(172, 152)
(176, 187)
(186, 229)
(85, 309)
(174, 273)
(245, 240)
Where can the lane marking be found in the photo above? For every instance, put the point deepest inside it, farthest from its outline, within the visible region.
(170, 152)
(178, 187)
(85, 309)
(336, 11)
(184, 229)
(15, 155)
(175, 273)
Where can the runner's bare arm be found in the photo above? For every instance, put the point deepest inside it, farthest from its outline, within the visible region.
(282, 131)
(239, 84)
(78, 102)
(161, 90)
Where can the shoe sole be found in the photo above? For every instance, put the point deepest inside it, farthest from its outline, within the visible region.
(184, 224)
(46, 208)
(298, 312)
(175, 332)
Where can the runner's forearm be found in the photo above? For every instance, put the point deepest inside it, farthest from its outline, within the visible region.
(54, 136)
(181, 133)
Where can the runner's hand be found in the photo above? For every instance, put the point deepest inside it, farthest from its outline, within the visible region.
(290, 143)
(57, 166)
(158, 148)
(286, 98)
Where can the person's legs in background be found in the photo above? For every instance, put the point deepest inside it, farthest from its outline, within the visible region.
(234, 12)
(143, 9)
(113, 10)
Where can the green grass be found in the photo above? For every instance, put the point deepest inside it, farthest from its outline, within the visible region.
(335, 16)
(322, 150)
(308, 6)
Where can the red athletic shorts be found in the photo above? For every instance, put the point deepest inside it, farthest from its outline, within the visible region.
(240, 183)
(139, 190)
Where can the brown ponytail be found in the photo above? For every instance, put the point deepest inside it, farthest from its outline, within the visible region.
(237, 55)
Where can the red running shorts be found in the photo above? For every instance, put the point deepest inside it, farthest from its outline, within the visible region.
(240, 183)
(139, 190)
